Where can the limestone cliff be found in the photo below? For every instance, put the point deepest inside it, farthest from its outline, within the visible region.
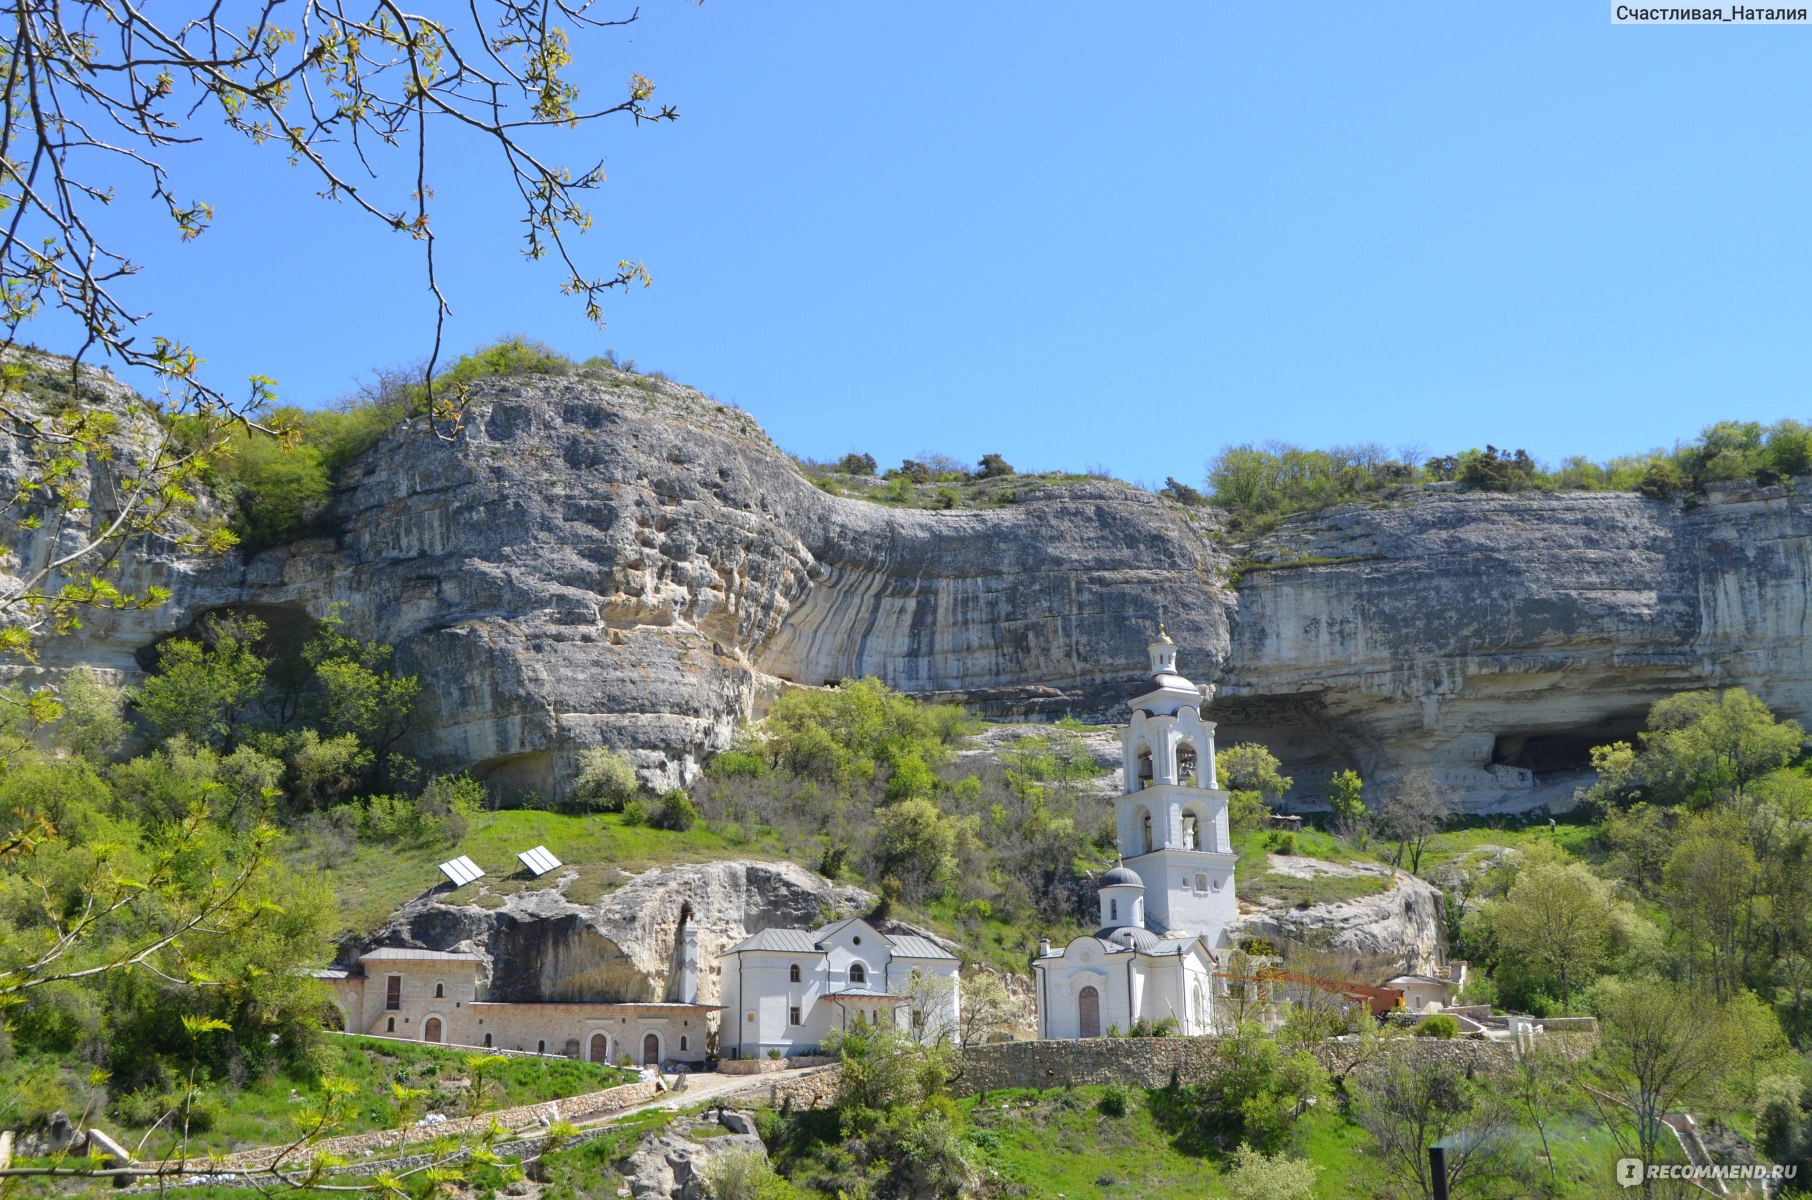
(614, 559)
(541, 946)
(1368, 938)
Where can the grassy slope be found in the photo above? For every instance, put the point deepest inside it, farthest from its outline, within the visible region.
(373, 881)
(1059, 1143)
(259, 1114)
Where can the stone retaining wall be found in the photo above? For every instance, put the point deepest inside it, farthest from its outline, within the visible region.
(1154, 1062)
(765, 1066)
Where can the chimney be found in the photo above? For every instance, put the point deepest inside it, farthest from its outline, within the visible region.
(1044, 947)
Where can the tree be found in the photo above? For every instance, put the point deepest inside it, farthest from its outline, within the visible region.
(360, 691)
(856, 464)
(1346, 797)
(1704, 747)
(1662, 1045)
(1256, 1176)
(993, 466)
(1414, 810)
(1249, 771)
(605, 783)
(1708, 887)
(1557, 918)
(1409, 1106)
(987, 1010)
(204, 686)
(98, 96)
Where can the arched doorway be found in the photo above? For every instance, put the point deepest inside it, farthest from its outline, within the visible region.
(651, 1051)
(431, 1030)
(1088, 1012)
(600, 1048)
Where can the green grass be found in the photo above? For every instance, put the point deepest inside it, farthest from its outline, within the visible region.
(261, 1112)
(1059, 1143)
(601, 850)
(1323, 889)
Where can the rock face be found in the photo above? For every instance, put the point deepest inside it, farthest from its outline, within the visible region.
(541, 946)
(1496, 638)
(671, 1165)
(613, 559)
(1370, 938)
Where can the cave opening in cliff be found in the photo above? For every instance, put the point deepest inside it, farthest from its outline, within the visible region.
(1564, 751)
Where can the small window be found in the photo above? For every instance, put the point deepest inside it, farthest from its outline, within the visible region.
(858, 973)
(856, 941)
(541, 1047)
(393, 992)
(1201, 882)
(682, 1041)
(793, 973)
(390, 1025)
(750, 1018)
(487, 1041)
(440, 991)
(792, 1015)
(1113, 910)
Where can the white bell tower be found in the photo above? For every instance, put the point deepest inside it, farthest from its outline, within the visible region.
(1172, 820)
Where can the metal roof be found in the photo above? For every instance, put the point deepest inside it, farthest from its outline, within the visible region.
(860, 993)
(461, 870)
(908, 945)
(409, 953)
(539, 861)
(825, 931)
(791, 941)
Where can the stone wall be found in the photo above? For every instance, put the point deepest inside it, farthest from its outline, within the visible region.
(1154, 1062)
(766, 1066)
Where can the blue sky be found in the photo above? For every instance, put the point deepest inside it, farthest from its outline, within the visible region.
(1121, 235)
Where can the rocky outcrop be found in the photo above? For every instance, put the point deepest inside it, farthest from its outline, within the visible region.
(617, 560)
(675, 1165)
(1369, 938)
(606, 558)
(1496, 638)
(541, 946)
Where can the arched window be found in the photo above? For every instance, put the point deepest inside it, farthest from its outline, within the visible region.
(1145, 842)
(682, 1041)
(1192, 832)
(440, 991)
(1144, 780)
(541, 1047)
(390, 1025)
(1188, 765)
(793, 973)
(858, 973)
(1199, 1004)
(1113, 910)
(1088, 1013)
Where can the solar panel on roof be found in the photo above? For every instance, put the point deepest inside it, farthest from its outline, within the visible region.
(539, 861)
(461, 870)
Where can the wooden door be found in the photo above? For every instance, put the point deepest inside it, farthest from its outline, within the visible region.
(431, 1031)
(1088, 1012)
(600, 1048)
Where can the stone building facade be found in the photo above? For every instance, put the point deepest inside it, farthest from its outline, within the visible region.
(786, 990)
(435, 996)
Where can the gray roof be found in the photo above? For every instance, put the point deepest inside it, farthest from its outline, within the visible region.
(860, 993)
(410, 953)
(826, 930)
(1122, 877)
(790, 941)
(907, 945)
(1143, 940)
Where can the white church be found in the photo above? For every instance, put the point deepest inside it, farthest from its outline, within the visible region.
(1165, 910)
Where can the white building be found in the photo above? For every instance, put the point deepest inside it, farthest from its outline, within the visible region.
(1166, 909)
(787, 989)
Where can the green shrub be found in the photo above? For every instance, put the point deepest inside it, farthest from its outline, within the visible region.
(737, 764)
(635, 813)
(857, 464)
(946, 497)
(1437, 1025)
(677, 812)
(1113, 1100)
(605, 783)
